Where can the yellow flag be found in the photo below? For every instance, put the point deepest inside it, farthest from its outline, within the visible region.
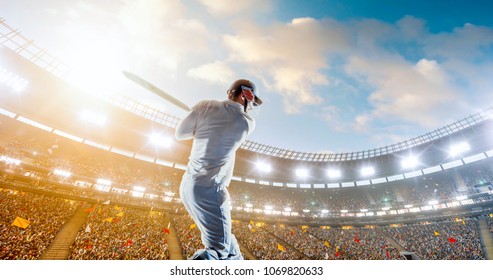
(251, 222)
(192, 226)
(118, 208)
(304, 227)
(326, 243)
(110, 219)
(463, 222)
(20, 222)
(119, 214)
(280, 247)
(436, 233)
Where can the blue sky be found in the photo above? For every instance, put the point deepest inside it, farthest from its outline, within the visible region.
(336, 76)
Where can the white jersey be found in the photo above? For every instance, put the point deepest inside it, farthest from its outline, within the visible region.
(218, 128)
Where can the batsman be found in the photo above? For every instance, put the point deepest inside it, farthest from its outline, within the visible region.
(217, 128)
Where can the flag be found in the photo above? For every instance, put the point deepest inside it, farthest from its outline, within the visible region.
(20, 222)
(88, 229)
(251, 222)
(128, 243)
(291, 232)
(192, 226)
(463, 222)
(280, 247)
(119, 214)
(387, 254)
(452, 240)
(89, 210)
(326, 243)
(110, 219)
(107, 202)
(166, 230)
(337, 251)
(117, 208)
(356, 239)
(436, 233)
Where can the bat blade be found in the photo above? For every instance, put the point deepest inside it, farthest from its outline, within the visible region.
(154, 89)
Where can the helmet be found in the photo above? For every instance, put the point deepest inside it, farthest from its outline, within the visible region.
(247, 88)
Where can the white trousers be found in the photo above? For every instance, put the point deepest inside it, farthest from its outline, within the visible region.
(210, 209)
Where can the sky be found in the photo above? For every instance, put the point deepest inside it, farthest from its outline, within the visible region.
(335, 76)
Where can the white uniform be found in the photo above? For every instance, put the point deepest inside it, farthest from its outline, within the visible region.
(218, 128)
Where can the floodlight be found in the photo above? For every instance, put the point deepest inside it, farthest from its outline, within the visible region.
(9, 160)
(268, 207)
(160, 140)
(386, 208)
(287, 209)
(62, 173)
(344, 211)
(325, 211)
(93, 117)
(461, 197)
(432, 202)
(249, 205)
(459, 148)
(409, 162)
(103, 182)
(13, 81)
(139, 188)
(263, 167)
(363, 210)
(408, 206)
(366, 171)
(170, 194)
(334, 173)
(301, 172)
(306, 211)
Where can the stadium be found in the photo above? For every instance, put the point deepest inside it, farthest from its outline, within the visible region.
(87, 177)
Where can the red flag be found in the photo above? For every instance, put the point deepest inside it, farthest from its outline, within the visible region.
(166, 230)
(452, 240)
(338, 254)
(128, 243)
(387, 254)
(90, 209)
(291, 232)
(356, 240)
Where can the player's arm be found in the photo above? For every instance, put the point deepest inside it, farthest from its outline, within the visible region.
(186, 128)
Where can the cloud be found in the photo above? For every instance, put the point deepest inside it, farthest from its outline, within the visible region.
(290, 55)
(421, 93)
(235, 8)
(217, 72)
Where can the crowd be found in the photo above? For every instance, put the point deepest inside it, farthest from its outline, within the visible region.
(119, 233)
(139, 234)
(445, 240)
(188, 234)
(263, 244)
(89, 164)
(45, 215)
